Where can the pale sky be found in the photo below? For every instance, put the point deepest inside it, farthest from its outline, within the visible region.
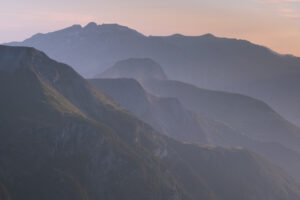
(273, 23)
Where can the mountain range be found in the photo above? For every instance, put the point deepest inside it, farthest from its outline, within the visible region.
(167, 115)
(62, 138)
(224, 119)
(206, 61)
(173, 117)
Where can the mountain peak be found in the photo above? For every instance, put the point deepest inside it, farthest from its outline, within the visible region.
(118, 29)
(93, 28)
(75, 27)
(208, 35)
(13, 58)
(91, 25)
(137, 68)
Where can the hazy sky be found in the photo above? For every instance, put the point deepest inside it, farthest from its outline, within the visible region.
(274, 23)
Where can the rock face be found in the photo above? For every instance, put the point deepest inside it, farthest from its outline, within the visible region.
(61, 138)
(206, 61)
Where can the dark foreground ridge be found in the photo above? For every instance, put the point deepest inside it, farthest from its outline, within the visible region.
(61, 138)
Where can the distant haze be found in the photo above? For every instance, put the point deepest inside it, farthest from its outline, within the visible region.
(273, 23)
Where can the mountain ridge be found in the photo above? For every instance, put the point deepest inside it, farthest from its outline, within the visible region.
(109, 154)
(209, 62)
(227, 119)
(166, 115)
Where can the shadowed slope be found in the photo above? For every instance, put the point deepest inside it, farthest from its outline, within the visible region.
(68, 140)
(166, 115)
(226, 119)
(65, 154)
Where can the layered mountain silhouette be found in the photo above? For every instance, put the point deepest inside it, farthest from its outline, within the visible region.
(136, 68)
(166, 115)
(205, 61)
(251, 116)
(174, 120)
(226, 119)
(61, 138)
(247, 114)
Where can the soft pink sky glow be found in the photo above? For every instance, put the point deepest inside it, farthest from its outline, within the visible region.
(273, 23)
